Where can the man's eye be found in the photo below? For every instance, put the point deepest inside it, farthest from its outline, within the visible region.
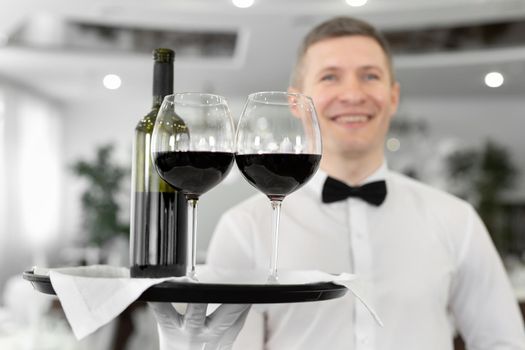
(371, 76)
(328, 77)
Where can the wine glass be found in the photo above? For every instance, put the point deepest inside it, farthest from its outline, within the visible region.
(278, 149)
(192, 149)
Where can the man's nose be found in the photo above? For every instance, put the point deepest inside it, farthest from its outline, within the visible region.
(351, 91)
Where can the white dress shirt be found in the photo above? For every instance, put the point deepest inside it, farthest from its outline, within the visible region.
(426, 256)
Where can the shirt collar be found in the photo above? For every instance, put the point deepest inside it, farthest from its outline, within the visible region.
(316, 183)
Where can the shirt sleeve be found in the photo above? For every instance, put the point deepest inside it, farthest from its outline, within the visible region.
(483, 304)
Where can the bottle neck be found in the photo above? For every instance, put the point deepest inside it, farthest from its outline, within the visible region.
(162, 81)
(157, 101)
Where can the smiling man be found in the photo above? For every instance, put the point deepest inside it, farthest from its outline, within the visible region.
(425, 255)
(350, 81)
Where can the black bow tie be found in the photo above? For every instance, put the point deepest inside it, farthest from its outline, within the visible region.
(373, 192)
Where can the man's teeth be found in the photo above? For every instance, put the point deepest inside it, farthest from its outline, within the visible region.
(352, 119)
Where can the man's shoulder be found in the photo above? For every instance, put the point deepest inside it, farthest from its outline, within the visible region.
(422, 192)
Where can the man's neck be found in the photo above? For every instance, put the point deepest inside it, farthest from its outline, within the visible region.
(351, 170)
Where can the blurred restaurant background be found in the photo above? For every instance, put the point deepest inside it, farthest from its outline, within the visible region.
(76, 76)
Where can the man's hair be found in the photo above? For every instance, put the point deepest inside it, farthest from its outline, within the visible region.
(335, 28)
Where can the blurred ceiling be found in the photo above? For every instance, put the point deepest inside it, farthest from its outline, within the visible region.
(63, 48)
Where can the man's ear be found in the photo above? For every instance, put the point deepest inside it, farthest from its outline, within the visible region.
(293, 90)
(394, 97)
(293, 110)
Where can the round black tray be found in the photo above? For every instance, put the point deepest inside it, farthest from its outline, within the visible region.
(187, 292)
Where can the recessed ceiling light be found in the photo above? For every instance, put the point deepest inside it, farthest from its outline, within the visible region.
(356, 3)
(243, 3)
(112, 81)
(494, 79)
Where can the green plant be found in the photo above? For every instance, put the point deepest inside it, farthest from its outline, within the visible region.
(99, 201)
(485, 174)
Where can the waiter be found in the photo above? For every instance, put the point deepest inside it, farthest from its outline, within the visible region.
(426, 256)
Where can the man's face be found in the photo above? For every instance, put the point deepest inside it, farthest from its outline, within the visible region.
(349, 81)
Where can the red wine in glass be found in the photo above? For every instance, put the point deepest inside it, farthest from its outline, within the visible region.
(278, 174)
(193, 173)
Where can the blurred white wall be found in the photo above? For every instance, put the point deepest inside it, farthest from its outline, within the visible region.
(30, 178)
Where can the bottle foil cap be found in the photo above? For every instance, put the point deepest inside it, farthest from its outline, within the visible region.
(163, 55)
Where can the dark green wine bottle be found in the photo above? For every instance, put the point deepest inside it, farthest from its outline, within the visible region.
(158, 237)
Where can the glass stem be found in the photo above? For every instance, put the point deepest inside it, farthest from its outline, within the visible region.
(192, 248)
(276, 216)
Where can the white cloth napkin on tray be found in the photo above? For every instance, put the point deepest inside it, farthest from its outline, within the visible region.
(91, 296)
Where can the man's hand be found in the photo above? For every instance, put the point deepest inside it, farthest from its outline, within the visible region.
(194, 331)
